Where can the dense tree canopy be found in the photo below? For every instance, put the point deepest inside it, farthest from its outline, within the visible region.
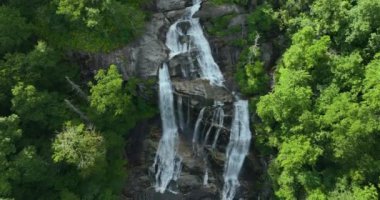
(321, 119)
(54, 144)
(315, 108)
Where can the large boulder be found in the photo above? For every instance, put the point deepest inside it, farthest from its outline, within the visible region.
(210, 10)
(183, 65)
(150, 51)
(202, 90)
(140, 58)
(188, 182)
(167, 5)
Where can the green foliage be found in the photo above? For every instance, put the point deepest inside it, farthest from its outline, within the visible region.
(331, 16)
(348, 71)
(364, 21)
(45, 109)
(9, 134)
(372, 86)
(88, 11)
(290, 98)
(261, 22)
(107, 94)
(92, 26)
(14, 29)
(43, 67)
(308, 53)
(38, 39)
(251, 75)
(320, 122)
(110, 98)
(357, 193)
(78, 146)
(220, 26)
(321, 119)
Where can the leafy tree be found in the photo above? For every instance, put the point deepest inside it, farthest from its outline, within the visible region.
(92, 26)
(364, 23)
(331, 16)
(348, 71)
(365, 193)
(37, 109)
(14, 29)
(78, 163)
(321, 119)
(291, 97)
(109, 98)
(108, 94)
(89, 11)
(251, 74)
(9, 134)
(372, 86)
(78, 146)
(294, 169)
(262, 22)
(309, 53)
(43, 67)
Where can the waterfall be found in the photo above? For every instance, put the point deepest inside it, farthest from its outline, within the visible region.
(217, 122)
(237, 149)
(220, 122)
(167, 163)
(196, 129)
(209, 70)
(205, 178)
(181, 120)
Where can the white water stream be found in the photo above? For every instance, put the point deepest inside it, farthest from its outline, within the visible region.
(167, 162)
(209, 70)
(237, 149)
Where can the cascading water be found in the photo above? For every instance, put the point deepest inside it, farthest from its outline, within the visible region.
(167, 163)
(220, 122)
(197, 127)
(237, 149)
(181, 120)
(209, 70)
(217, 121)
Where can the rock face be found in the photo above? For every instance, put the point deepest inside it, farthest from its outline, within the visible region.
(211, 11)
(202, 90)
(168, 5)
(141, 178)
(142, 59)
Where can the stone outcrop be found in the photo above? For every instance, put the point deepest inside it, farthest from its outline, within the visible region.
(210, 10)
(169, 5)
(142, 59)
(202, 90)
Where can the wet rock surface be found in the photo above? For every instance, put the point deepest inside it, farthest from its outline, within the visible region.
(142, 59)
(168, 5)
(210, 10)
(140, 180)
(202, 90)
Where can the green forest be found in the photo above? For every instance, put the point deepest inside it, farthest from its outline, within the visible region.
(321, 120)
(63, 136)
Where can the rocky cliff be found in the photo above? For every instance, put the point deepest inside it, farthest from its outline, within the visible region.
(142, 59)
